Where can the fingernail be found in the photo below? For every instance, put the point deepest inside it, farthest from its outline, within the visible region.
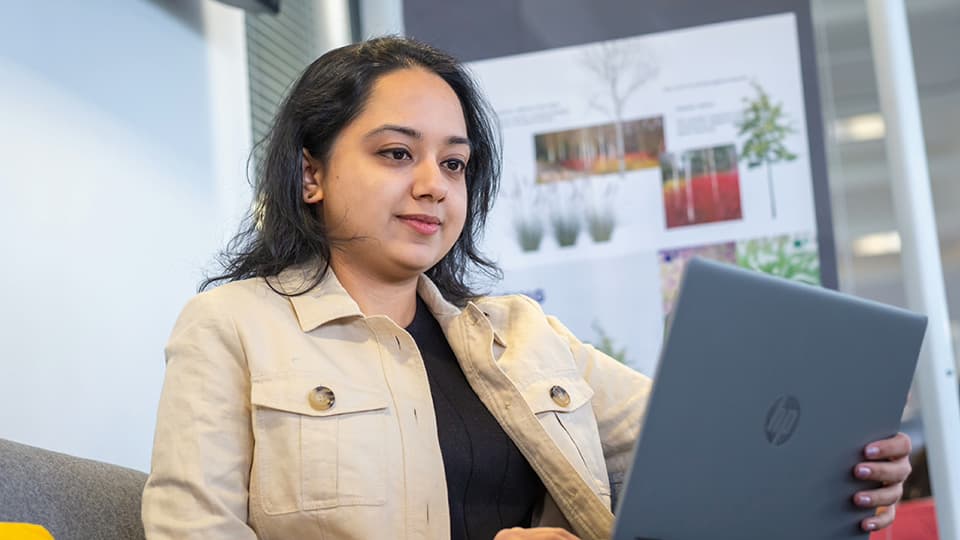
(872, 451)
(863, 499)
(871, 526)
(863, 472)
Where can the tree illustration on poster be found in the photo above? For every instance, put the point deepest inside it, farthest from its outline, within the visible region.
(765, 126)
(621, 68)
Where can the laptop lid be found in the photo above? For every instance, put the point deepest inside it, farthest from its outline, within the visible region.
(766, 394)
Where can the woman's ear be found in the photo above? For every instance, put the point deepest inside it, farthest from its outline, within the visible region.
(312, 179)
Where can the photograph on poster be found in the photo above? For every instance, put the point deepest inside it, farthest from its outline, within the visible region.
(674, 261)
(791, 256)
(701, 186)
(598, 150)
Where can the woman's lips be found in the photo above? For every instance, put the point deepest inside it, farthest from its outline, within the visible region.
(422, 223)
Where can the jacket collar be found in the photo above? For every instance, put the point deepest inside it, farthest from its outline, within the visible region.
(326, 302)
(329, 301)
(445, 312)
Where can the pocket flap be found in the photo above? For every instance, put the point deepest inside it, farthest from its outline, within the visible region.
(297, 393)
(551, 394)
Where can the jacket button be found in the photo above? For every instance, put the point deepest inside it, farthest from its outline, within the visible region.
(321, 398)
(560, 396)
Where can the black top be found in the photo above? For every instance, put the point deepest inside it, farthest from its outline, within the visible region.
(490, 485)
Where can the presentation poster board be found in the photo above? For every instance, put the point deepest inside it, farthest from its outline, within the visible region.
(637, 135)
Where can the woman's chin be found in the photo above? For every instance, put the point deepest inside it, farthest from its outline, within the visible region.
(416, 260)
(417, 267)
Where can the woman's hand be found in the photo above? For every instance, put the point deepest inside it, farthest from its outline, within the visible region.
(541, 533)
(888, 461)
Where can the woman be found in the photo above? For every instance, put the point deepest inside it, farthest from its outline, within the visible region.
(347, 382)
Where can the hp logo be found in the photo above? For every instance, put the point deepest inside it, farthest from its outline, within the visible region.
(782, 420)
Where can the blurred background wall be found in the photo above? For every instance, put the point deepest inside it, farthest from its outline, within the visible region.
(123, 136)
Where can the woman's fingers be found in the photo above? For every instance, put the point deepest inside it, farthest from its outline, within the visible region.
(882, 520)
(885, 496)
(884, 471)
(895, 447)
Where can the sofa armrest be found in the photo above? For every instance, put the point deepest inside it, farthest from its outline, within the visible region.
(70, 496)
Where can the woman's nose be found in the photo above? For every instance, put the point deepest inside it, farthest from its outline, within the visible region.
(429, 181)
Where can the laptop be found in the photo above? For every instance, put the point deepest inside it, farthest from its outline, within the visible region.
(766, 394)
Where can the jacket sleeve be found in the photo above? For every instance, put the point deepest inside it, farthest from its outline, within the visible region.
(203, 445)
(619, 403)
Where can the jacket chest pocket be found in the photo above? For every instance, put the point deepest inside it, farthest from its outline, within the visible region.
(319, 443)
(562, 404)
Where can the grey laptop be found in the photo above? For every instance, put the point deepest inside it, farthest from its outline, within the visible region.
(766, 394)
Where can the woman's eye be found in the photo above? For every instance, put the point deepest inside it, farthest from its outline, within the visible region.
(396, 153)
(455, 165)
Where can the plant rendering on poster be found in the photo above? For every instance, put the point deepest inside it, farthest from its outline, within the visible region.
(625, 157)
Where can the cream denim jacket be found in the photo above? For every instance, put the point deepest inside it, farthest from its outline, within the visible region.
(244, 450)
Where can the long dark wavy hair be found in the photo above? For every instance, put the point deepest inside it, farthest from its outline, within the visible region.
(282, 230)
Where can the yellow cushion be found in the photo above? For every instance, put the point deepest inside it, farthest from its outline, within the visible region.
(23, 531)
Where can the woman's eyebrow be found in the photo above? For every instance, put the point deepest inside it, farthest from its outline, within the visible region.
(455, 139)
(414, 134)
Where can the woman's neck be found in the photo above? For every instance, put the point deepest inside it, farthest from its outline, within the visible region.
(376, 296)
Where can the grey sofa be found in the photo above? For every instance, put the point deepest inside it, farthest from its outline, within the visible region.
(74, 498)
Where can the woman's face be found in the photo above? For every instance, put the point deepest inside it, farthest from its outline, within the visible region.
(394, 185)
